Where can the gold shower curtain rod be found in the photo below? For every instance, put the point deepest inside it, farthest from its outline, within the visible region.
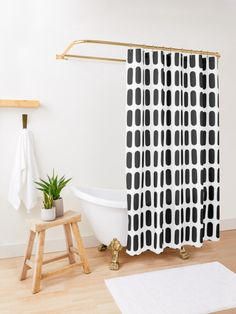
(65, 55)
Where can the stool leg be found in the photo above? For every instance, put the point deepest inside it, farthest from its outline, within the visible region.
(69, 243)
(80, 247)
(38, 262)
(27, 256)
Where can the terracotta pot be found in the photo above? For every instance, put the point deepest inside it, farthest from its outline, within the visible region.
(48, 214)
(59, 207)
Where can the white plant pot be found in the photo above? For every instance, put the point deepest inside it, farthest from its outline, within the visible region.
(48, 214)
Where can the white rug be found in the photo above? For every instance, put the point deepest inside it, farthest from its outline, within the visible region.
(197, 289)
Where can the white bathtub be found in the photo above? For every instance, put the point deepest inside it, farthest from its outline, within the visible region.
(106, 210)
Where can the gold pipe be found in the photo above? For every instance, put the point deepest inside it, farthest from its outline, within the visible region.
(65, 54)
(91, 58)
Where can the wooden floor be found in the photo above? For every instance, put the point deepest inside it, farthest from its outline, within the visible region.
(75, 292)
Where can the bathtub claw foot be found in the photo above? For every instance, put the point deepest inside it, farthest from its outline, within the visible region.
(114, 266)
(183, 253)
(115, 247)
(102, 247)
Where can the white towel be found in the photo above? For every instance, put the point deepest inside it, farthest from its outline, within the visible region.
(24, 174)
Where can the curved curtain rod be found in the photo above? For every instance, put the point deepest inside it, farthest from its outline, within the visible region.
(65, 55)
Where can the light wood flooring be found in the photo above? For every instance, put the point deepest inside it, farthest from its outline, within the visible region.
(76, 292)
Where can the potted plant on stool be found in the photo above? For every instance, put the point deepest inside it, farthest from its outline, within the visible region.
(48, 213)
(54, 186)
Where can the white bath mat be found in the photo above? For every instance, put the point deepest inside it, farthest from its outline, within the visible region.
(197, 289)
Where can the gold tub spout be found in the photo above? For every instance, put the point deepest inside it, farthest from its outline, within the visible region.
(115, 247)
(183, 253)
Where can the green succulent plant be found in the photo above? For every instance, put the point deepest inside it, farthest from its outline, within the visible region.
(53, 185)
(48, 201)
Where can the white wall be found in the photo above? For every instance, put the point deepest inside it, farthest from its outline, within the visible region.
(80, 128)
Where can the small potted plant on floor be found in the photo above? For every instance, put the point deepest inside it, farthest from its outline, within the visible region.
(48, 212)
(54, 186)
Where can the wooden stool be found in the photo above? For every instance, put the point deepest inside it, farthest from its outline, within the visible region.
(69, 220)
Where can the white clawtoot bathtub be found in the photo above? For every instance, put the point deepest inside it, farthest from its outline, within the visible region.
(106, 210)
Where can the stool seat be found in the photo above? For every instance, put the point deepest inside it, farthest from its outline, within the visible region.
(38, 227)
(69, 217)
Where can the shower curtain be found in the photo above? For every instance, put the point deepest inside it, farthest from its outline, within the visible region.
(172, 150)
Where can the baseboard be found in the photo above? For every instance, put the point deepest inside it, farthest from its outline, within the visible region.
(56, 245)
(228, 224)
(14, 250)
